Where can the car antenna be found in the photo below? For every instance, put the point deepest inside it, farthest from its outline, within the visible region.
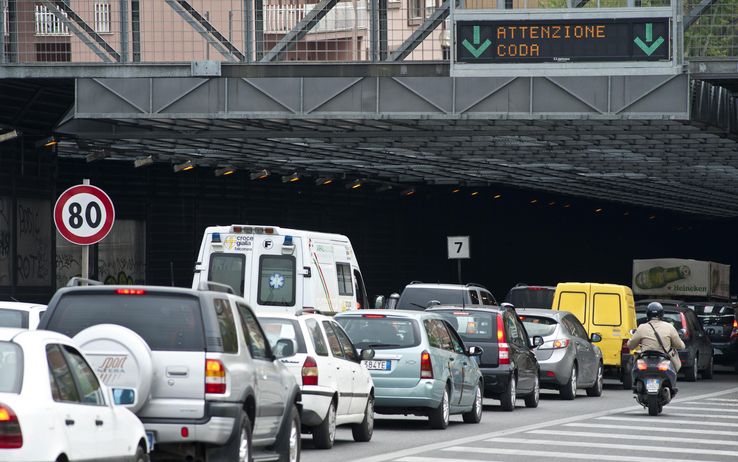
(14, 299)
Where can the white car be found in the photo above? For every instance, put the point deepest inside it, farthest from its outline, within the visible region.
(53, 407)
(336, 388)
(20, 315)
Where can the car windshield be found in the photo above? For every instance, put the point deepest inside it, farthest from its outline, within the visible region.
(167, 322)
(13, 318)
(538, 325)
(669, 316)
(531, 297)
(283, 329)
(381, 331)
(471, 325)
(417, 298)
(11, 367)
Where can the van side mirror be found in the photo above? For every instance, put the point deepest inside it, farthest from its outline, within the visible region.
(379, 302)
(392, 301)
(595, 338)
(124, 396)
(537, 341)
(367, 354)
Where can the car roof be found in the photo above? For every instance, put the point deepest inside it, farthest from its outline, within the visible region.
(661, 300)
(20, 306)
(8, 333)
(487, 309)
(542, 312)
(535, 286)
(672, 308)
(388, 313)
(286, 315)
(427, 285)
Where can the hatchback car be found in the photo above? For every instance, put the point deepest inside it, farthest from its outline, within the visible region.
(419, 296)
(336, 388)
(720, 321)
(508, 364)
(20, 315)
(568, 358)
(54, 407)
(421, 365)
(697, 357)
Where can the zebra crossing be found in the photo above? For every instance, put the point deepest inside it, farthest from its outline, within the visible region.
(703, 429)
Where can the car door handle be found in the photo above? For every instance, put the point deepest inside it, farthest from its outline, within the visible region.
(177, 372)
(69, 422)
(99, 422)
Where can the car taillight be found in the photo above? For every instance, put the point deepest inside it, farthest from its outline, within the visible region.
(503, 349)
(624, 348)
(310, 371)
(215, 377)
(735, 329)
(684, 326)
(426, 367)
(11, 436)
(641, 365)
(555, 344)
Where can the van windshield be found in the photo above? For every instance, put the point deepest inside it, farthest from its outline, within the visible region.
(228, 269)
(417, 298)
(381, 332)
(531, 297)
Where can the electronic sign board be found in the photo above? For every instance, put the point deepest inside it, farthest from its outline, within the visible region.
(563, 40)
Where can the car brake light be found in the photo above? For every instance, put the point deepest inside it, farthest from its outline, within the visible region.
(664, 365)
(557, 344)
(624, 348)
(310, 371)
(373, 316)
(130, 292)
(684, 325)
(735, 324)
(215, 377)
(503, 349)
(535, 288)
(426, 367)
(11, 436)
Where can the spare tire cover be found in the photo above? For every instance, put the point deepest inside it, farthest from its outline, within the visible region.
(120, 357)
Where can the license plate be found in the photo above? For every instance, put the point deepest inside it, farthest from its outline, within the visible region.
(152, 441)
(716, 351)
(653, 385)
(378, 365)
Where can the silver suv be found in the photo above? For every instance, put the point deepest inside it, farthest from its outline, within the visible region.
(418, 296)
(209, 386)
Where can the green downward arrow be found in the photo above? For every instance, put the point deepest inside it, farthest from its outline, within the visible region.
(649, 49)
(477, 50)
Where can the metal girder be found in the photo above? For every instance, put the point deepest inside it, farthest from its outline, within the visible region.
(423, 31)
(696, 12)
(82, 30)
(300, 30)
(206, 29)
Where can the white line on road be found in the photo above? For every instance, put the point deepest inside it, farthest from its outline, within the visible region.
(655, 429)
(692, 408)
(726, 400)
(665, 422)
(711, 403)
(436, 459)
(685, 414)
(623, 436)
(626, 447)
(564, 455)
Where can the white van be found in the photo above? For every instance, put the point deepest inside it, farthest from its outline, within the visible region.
(282, 269)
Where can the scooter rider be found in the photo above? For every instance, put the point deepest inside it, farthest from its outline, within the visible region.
(658, 335)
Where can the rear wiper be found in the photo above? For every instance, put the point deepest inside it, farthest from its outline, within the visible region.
(419, 306)
(387, 345)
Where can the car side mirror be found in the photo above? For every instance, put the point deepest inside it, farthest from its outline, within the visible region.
(284, 348)
(124, 396)
(474, 351)
(537, 341)
(595, 338)
(379, 302)
(632, 332)
(683, 334)
(392, 301)
(367, 354)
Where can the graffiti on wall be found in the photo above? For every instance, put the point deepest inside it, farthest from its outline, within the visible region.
(5, 237)
(33, 221)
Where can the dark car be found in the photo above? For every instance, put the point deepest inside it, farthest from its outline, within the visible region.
(418, 296)
(720, 321)
(697, 357)
(508, 364)
(525, 296)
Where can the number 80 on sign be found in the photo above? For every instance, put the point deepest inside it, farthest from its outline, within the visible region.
(84, 214)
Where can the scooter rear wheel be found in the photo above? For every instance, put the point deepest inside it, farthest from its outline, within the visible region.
(654, 406)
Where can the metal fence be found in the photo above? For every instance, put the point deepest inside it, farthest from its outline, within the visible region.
(161, 31)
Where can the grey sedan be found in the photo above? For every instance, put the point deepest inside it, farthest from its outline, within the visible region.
(569, 358)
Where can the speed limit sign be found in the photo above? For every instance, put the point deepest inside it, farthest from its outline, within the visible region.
(84, 214)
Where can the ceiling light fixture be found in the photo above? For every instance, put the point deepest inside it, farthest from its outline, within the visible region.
(384, 187)
(455, 190)
(184, 167)
(599, 210)
(260, 175)
(566, 206)
(323, 181)
(475, 193)
(225, 171)
(356, 184)
(552, 203)
(47, 143)
(12, 134)
(291, 178)
(534, 201)
(143, 161)
(408, 192)
(497, 196)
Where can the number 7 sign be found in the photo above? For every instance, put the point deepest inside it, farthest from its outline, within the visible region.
(84, 214)
(458, 247)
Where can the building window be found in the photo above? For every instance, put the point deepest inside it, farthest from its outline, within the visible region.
(48, 24)
(102, 17)
(53, 52)
(419, 10)
(6, 20)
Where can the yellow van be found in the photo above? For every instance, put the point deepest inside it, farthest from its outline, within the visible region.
(609, 310)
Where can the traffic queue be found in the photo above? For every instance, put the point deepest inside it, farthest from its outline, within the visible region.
(275, 340)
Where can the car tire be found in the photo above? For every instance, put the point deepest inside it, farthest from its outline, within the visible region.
(568, 391)
(289, 441)
(475, 414)
(690, 373)
(507, 400)
(324, 435)
(439, 417)
(532, 399)
(627, 376)
(595, 390)
(709, 373)
(141, 455)
(654, 406)
(238, 447)
(363, 432)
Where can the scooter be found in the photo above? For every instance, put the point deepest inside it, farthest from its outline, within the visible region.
(654, 381)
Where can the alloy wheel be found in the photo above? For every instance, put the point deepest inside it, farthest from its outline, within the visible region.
(294, 442)
(478, 402)
(243, 447)
(332, 422)
(574, 380)
(446, 407)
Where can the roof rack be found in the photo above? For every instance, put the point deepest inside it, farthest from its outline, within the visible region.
(215, 287)
(78, 281)
(474, 284)
(415, 282)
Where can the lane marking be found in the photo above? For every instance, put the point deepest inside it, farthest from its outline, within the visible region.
(626, 447)
(564, 455)
(633, 437)
(654, 429)
(428, 448)
(665, 422)
(690, 408)
(685, 414)
(726, 400)
(700, 403)
(437, 459)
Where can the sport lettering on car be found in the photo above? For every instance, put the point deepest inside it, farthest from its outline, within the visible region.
(111, 368)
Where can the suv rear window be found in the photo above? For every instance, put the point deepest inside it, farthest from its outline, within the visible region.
(381, 332)
(11, 367)
(417, 298)
(531, 297)
(472, 326)
(539, 325)
(278, 328)
(167, 322)
(13, 318)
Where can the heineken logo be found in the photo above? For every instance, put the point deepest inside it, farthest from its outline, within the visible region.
(688, 288)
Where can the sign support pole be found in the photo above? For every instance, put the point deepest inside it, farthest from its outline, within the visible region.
(459, 270)
(86, 251)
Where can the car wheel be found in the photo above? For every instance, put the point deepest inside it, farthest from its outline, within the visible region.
(507, 401)
(439, 417)
(475, 414)
(325, 434)
(627, 376)
(238, 447)
(289, 441)
(690, 373)
(363, 432)
(707, 374)
(596, 389)
(141, 455)
(533, 399)
(569, 389)
(654, 406)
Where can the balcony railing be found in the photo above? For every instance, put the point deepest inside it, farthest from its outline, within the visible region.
(345, 16)
(48, 24)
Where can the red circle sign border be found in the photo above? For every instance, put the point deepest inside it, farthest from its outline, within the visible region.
(102, 197)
